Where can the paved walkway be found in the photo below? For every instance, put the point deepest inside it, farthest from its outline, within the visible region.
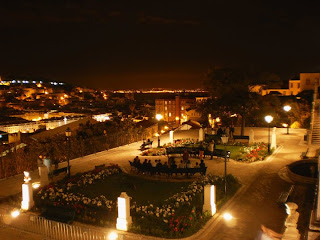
(254, 205)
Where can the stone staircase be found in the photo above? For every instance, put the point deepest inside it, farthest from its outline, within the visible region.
(316, 128)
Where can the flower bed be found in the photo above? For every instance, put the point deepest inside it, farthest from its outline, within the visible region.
(254, 152)
(180, 215)
(154, 152)
(65, 195)
(177, 216)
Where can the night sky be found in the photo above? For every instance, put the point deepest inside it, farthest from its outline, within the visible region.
(143, 44)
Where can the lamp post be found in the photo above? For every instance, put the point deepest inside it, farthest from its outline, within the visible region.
(224, 140)
(68, 135)
(268, 119)
(287, 108)
(159, 117)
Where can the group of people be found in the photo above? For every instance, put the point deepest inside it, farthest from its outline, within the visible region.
(171, 164)
(227, 131)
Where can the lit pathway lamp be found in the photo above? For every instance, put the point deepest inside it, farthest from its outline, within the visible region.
(224, 140)
(268, 120)
(287, 108)
(159, 117)
(68, 135)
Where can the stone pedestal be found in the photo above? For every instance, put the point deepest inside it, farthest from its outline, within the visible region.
(273, 144)
(201, 135)
(291, 232)
(124, 219)
(27, 193)
(44, 179)
(171, 136)
(210, 199)
(251, 136)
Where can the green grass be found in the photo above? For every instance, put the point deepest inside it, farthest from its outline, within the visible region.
(235, 150)
(141, 190)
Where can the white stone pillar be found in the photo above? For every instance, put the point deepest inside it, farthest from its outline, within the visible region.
(27, 193)
(251, 136)
(171, 136)
(210, 199)
(273, 144)
(201, 135)
(124, 219)
(44, 179)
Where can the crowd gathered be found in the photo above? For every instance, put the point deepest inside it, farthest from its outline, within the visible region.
(170, 165)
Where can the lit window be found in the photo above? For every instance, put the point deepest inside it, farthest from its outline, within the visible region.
(182, 108)
(169, 114)
(298, 85)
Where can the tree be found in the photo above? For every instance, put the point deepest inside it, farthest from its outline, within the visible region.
(230, 94)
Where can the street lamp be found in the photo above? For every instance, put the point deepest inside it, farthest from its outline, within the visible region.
(287, 108)
(268, 119)
(224, 140)
(68, 135)
(159, 117)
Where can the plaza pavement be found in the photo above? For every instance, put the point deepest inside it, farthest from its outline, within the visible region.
(255, 204)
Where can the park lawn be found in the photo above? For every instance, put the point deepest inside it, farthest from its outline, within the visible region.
(235, 150)
(141, 190)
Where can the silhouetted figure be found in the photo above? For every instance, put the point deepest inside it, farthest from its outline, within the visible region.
(202, 164)
(220, 131)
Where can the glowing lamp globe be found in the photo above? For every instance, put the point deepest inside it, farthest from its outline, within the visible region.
(287, 108)
(268, 119)
(159, 117)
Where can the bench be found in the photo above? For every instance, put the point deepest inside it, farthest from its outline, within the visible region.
(209, 137)
(283, 197)
(238, 137)
(217, 153)
(170, 171)
(59, 214)
(60, 170)
(102, 166)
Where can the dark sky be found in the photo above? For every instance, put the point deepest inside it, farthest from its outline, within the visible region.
(150, 43)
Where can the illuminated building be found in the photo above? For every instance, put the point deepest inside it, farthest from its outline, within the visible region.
(306, 82)
(174, 110)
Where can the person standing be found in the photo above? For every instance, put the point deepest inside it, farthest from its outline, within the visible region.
(185, 156)
(231, 131)
(211, 148)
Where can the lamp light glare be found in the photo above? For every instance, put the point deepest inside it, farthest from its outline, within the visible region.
(268, 119)
(284, 125)
(15, 213)
(159, 117)
(113, 236)
(35, 185)
(287, 108)
(227, 216)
